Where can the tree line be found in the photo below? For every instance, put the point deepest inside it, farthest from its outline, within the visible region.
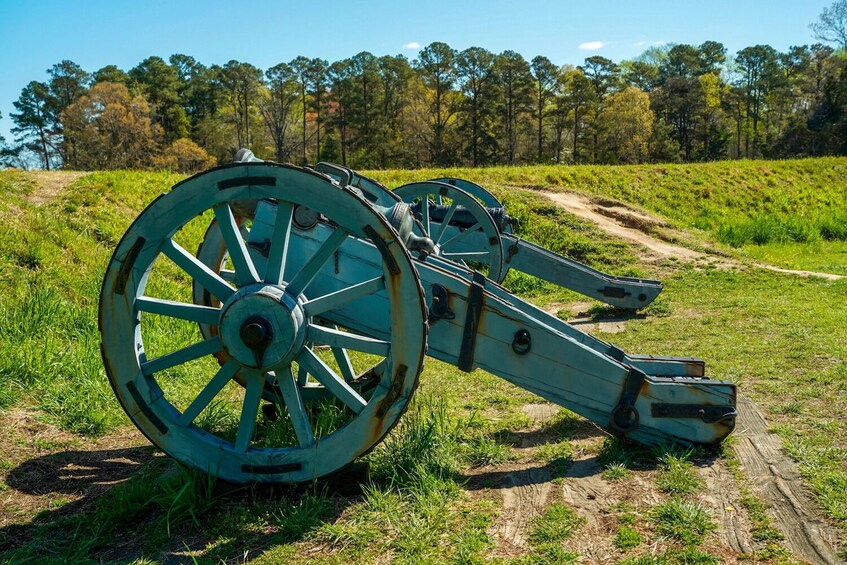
(675, 103)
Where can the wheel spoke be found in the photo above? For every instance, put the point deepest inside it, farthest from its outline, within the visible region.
(461, 235)
(336, 338)
(180, 310)
(425, 214)
(210, 391)
(279, 243)
(302, 376)
(235, 245)
(228, 276)
(335, 384)
(472, 255)
(296, 410)
(442, 229)
(344, 363)
(180, 356)
(344, 296)
(252, 398)
(310, 270)
(207, 278)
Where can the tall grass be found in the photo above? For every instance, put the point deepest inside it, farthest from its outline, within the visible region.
(761, 229)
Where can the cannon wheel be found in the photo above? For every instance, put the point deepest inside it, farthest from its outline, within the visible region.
(491, 255)
(212, 252)
(265, 325)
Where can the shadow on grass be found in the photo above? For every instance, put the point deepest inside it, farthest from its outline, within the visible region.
(78, 472)
(86, 474)
(134, 503)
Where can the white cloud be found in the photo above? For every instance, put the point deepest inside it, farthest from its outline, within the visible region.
(412, 45)
(591, 45)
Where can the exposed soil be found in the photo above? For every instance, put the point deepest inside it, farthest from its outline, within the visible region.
(49, 184)
(623, 222)
(626, 223)
(579, 318)
(526, 488)
(774, 477)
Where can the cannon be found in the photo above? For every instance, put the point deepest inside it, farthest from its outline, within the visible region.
(291, 342)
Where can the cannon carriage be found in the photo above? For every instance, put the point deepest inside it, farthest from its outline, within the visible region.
(315, 296)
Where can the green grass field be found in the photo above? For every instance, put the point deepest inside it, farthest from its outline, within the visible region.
(436, 484)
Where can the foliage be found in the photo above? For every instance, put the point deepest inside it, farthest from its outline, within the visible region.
(672, 103)
(107, 128)
(184, 156)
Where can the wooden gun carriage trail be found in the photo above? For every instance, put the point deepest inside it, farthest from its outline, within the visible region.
(294, 336)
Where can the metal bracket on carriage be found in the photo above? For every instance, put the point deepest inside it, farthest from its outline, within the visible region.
(709, 414)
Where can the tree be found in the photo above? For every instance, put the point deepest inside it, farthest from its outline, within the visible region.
(628, 123)
(317, 72)
(544, 73)
(475, 71)
(437, 65)
(184, 156)
(604, 76)
(196, 88)
(300, 65)
(67, 83)
(110, 73)
(107, 128)
(515, 91)
(340, 77)
(35, 124)
(364, 107)
(240, 84)
(5, 152)
(159, 83)
(277, 108)
(395, 75)
(759, 68)
(577, 94)
(831, 26)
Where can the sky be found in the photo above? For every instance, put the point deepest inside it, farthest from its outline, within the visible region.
(35, 35)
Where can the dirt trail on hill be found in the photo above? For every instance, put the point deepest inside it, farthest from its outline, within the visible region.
(49, 184)
(621, 221)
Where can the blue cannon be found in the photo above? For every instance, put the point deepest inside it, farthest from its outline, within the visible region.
(291, 341)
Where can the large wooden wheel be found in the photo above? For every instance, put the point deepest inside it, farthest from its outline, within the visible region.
(177, 384)
(452, 242)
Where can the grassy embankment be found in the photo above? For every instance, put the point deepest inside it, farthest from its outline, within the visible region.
(789, 213)
(782, 338)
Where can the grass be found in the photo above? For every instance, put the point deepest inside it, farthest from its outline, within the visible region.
(685, 521)
(435, 494)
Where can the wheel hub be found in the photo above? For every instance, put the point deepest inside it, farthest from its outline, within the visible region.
(263, 327)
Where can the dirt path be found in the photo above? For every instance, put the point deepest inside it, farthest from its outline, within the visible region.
(775, 479)
(623, 222)
(49, 184)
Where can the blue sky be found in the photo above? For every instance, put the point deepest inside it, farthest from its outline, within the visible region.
(35, 35)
